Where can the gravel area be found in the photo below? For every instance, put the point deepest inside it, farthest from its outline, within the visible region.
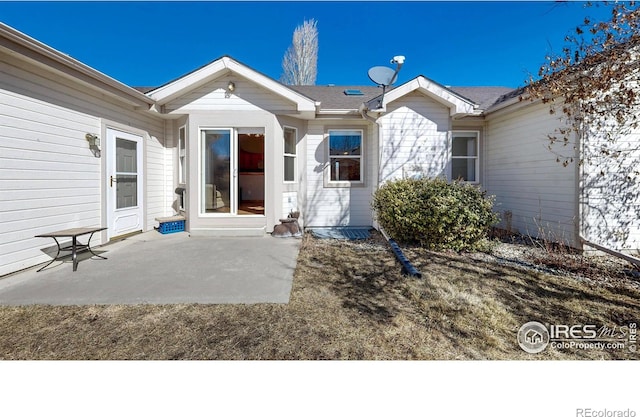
(598, 268)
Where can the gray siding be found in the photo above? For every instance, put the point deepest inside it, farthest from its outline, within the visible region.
(538, 192)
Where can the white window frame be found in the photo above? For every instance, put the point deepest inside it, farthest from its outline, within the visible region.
(345, 183)
(290, 155)
(455, 133)
(182, 154)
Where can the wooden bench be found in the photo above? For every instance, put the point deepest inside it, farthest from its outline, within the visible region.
(74, 247)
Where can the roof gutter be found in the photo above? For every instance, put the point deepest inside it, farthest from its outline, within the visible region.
(363, 110)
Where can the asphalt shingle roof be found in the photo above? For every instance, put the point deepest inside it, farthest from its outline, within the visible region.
(484, 97)
(333, 97)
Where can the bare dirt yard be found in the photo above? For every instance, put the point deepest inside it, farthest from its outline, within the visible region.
(350, 301)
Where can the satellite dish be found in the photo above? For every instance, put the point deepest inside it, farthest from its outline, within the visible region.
(384, 76)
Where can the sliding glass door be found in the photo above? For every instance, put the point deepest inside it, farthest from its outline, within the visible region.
(217, 175)
(232, 171)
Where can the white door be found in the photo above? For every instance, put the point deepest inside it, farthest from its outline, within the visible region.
(124, 183)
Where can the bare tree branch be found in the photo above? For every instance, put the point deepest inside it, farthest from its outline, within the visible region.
(300, 62)
(592, 85)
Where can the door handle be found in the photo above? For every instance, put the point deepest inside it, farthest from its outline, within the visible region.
(112, 180)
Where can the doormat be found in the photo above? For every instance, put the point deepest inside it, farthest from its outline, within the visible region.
(350, 233)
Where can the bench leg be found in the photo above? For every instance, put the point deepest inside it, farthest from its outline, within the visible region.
(90, 250)
(74, 250)
(74, 253)
(54, 258)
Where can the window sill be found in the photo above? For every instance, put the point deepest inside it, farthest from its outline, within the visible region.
(344, 184)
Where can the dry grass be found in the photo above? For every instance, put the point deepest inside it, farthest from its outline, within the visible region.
(349, 301)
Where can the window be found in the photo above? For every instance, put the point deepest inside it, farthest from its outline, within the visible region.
(464, 156)
(182, 155)
(345, 156)
(290, 139)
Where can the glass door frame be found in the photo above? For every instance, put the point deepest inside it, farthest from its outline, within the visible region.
(234, 172)
(123, 220)
(202, 181)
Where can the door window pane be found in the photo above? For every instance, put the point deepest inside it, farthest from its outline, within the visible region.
(126, 191)
(216, 171)
(126, 175)
(126, 156)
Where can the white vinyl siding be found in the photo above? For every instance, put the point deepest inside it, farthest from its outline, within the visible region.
(49, 178)
(289, 203)
(415, 138)
(213, 96)
(611, 202)
(342, 206)
(534, 193)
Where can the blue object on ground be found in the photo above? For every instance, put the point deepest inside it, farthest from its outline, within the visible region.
(350, 233)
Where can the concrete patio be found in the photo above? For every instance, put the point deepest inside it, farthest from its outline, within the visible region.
(151, 268)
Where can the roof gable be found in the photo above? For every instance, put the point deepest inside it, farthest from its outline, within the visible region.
(457, 104)
(221, 67)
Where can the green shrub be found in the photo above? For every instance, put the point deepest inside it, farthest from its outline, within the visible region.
(434, 213)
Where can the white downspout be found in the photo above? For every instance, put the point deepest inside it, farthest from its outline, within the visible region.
(363, 112)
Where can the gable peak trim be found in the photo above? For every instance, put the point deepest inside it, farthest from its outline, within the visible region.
(221, 67)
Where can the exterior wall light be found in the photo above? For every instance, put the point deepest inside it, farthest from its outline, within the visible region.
(94, 143)
(231, 87)
(93, 140)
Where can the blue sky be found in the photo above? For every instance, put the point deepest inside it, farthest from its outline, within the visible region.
(454, 43)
